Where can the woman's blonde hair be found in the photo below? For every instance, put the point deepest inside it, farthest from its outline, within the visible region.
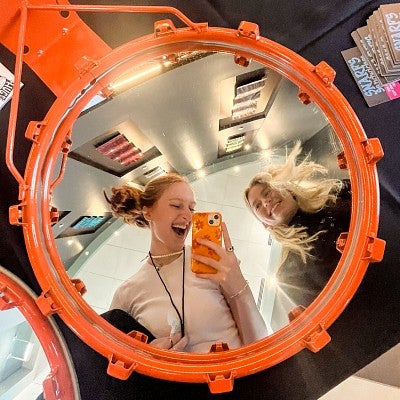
(312, 191)
(127, 202)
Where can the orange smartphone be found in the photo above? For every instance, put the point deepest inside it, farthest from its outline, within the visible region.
(205, 225)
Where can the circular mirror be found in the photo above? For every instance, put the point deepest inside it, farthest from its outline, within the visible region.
(217, 106)
(182, 120)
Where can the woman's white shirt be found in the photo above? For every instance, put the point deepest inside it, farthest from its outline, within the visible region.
(208, 318)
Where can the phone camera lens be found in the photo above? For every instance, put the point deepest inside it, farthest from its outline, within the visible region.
(211, 222)
(216, 216)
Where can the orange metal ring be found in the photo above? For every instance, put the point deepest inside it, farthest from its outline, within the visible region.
(61, 381)
(308, 327)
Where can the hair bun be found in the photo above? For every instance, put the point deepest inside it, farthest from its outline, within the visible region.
(125, 203)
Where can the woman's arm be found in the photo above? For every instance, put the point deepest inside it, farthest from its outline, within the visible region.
(250, 323)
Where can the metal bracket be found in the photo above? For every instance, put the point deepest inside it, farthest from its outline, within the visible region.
(325, 72)
(167, 27)
(218, 347)
(341, 241)
(141, 337)
(5, 302)
(164, 27)
(304, 97)
(66, 146)
(341, 160)
(54, 215)
(241, 60)
(79, 286)
(33, 130)
(46, 304)
(249, 30)
(373, 150)
(15, 214)
(220, 383)
(293, 314)
(317, 339)
(375, 248)
(120, 369)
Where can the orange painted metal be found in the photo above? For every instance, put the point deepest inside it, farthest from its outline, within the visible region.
(317, 339)
(60, 383)
(46, 33)
(307, 329)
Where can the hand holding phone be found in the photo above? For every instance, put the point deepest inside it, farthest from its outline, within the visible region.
(205, 225)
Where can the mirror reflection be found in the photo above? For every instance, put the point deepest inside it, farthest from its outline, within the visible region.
(218, 124)
(23, 364)
(178, 285)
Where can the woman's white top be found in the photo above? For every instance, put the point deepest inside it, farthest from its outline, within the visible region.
(208, 318)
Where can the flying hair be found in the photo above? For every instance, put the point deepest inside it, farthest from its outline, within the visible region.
(308, 185)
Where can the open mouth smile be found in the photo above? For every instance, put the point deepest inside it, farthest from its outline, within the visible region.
(180, 229)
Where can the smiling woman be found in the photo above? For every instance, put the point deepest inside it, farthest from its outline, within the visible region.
(273, 207)
(306, 212)
(169, 306)
(281, 193)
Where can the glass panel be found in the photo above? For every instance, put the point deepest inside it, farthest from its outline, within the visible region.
(23, 365)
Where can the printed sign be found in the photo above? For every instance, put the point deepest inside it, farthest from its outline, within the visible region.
(365, 78)
(6, 85)
(375, 62)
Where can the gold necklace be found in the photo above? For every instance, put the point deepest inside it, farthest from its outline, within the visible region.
(167, 255)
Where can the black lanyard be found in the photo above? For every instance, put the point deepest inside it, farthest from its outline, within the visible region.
(181, 317)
